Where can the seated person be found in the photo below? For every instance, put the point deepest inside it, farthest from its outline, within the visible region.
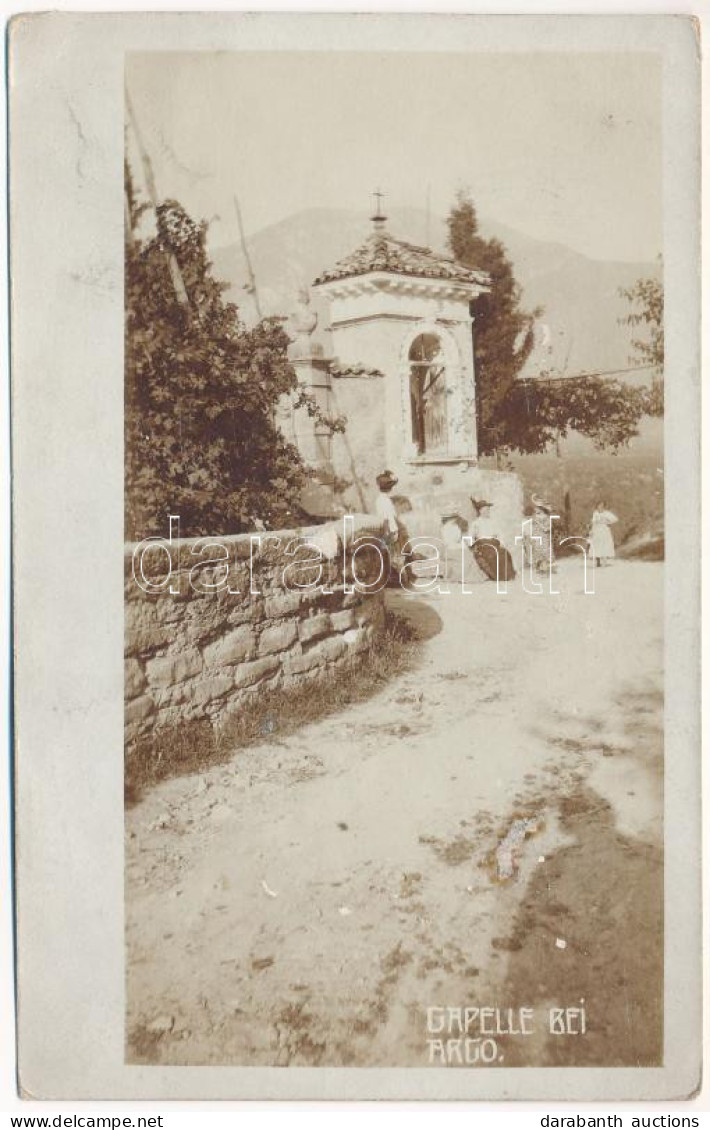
(490, 554)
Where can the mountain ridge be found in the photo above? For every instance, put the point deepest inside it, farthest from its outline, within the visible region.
(578, 331)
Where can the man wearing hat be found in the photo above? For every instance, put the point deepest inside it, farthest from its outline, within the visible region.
(387, 513)
(384, 506)
(538, 531)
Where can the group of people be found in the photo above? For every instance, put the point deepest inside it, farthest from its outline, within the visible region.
(489, 556)
(542, 553)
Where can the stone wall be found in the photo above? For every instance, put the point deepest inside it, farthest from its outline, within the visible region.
(198, 652)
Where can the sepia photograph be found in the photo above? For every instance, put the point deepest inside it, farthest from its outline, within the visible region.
(394, 562)
(356, 551)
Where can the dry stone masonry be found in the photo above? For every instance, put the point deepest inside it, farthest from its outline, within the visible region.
(198, 652)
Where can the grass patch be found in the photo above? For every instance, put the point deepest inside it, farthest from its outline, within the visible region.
(194, 746)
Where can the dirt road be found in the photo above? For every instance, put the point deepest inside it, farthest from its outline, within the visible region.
(486, 832)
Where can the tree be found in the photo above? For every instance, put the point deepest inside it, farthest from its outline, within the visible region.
(646, 299)
(201, 392)
(504, 333)
(528, 415)
(541, 412)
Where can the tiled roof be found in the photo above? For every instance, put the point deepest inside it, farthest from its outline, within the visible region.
(381, 252)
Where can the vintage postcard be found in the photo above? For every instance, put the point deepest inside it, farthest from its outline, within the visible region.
(356, 389)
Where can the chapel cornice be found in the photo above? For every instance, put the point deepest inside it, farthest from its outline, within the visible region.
(382, 282)
(382, 256)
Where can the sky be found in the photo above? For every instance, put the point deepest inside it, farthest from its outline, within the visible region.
(565, 148)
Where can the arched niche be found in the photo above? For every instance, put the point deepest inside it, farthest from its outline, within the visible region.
(429, 365)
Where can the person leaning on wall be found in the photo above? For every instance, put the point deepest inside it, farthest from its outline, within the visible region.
(394, 535)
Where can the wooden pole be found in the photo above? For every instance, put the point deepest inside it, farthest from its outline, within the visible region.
(247, 258)
(127, 219)
(173, 265)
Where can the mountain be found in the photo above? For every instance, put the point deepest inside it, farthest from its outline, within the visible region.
(578, 331)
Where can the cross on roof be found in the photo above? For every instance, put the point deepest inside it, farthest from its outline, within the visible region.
(379, 197)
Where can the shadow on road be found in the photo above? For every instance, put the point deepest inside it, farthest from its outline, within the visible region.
(589, 930)
(417, 612)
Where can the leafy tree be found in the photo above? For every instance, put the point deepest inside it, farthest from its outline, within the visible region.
(646, 299)
(541, 412)
(523, 414)
(201, 392)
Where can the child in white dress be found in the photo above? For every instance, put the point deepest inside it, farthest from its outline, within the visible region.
(601, 540)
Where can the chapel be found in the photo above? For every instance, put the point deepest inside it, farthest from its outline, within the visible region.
(398, 364)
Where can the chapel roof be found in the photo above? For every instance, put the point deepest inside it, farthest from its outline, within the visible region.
(382, 252)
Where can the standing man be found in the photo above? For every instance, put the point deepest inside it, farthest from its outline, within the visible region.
(538, 543)
(387, 513)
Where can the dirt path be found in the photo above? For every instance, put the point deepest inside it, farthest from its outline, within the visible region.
(483, 833)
